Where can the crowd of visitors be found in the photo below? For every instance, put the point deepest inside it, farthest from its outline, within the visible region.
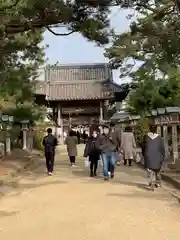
(109, 146)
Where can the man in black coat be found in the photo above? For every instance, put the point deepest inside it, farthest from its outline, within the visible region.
(49, 143)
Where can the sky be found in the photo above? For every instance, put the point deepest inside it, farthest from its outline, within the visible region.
(77, 49)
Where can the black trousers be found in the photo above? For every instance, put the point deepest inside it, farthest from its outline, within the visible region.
(129, 162)
(72, 159)
(93, 164)
(49, 161)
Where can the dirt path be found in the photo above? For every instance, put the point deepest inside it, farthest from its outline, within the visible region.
(71, 206)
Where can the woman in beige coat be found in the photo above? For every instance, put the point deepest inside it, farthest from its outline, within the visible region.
(71, 142)
(128, 145)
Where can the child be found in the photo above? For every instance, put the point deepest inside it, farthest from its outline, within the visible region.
(93, 153)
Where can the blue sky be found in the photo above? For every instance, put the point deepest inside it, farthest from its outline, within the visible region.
(77, 49)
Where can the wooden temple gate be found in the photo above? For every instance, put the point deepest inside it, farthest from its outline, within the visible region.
(77, 94)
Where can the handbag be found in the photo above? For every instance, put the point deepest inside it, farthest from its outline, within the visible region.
(138, 158)
(86, 162)
(101, 161)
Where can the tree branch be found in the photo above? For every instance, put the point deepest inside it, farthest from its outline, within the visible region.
(11, 29)
(141, 5)
(60, 34)
(10, 6)
(177, 2)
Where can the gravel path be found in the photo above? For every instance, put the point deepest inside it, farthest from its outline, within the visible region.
(71, 206)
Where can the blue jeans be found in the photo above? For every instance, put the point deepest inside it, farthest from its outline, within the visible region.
(109, 159)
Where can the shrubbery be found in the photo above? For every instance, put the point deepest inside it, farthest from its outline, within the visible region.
(38, 138)
(141, 130)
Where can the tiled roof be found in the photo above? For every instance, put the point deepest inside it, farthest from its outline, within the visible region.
(80, 72)
(78, 91)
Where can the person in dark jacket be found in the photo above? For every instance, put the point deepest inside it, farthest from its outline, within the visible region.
(49, 143)
(108, 144)
(93, 153)
(78, 137)
(84, 136)
(153, 151)
(116, 134)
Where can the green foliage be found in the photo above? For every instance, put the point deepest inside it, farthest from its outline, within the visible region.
(38, 139)
(21, 55)
(90, 18)
(150, 93)
(141, 130)
(154, 40)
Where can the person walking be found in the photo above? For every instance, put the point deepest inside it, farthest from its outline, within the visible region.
(93, 153)
(78, 137)
(71, 142)
(128, 146)
(107, 144)
(49, 143)
(84, 136)
(153, 151)
(116, 134)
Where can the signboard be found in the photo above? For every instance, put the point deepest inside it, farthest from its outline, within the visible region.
(77, 121)
(167, 119)
(85, 110)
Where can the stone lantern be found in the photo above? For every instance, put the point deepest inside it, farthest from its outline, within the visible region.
(7, 121)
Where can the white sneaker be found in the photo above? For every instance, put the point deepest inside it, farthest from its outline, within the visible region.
(109, 174)
(50, 173)
(73, 165)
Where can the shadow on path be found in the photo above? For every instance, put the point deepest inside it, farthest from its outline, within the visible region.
(37, 185)
(156, 196)
(7, 214)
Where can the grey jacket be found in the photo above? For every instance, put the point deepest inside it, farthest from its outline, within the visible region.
(71, 142)
(107, 143)
(128, 145)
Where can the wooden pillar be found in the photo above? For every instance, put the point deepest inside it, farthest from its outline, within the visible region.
(101, 117)
(174, 143)
(165, 137)
(60, 123)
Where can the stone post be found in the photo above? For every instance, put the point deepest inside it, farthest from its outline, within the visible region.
(60, 123)
(174, 143)
(24, 139)
(165, 138)
(101, 117)
(30, 138)
(25, 129)
(159, 130)
(8, 143)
